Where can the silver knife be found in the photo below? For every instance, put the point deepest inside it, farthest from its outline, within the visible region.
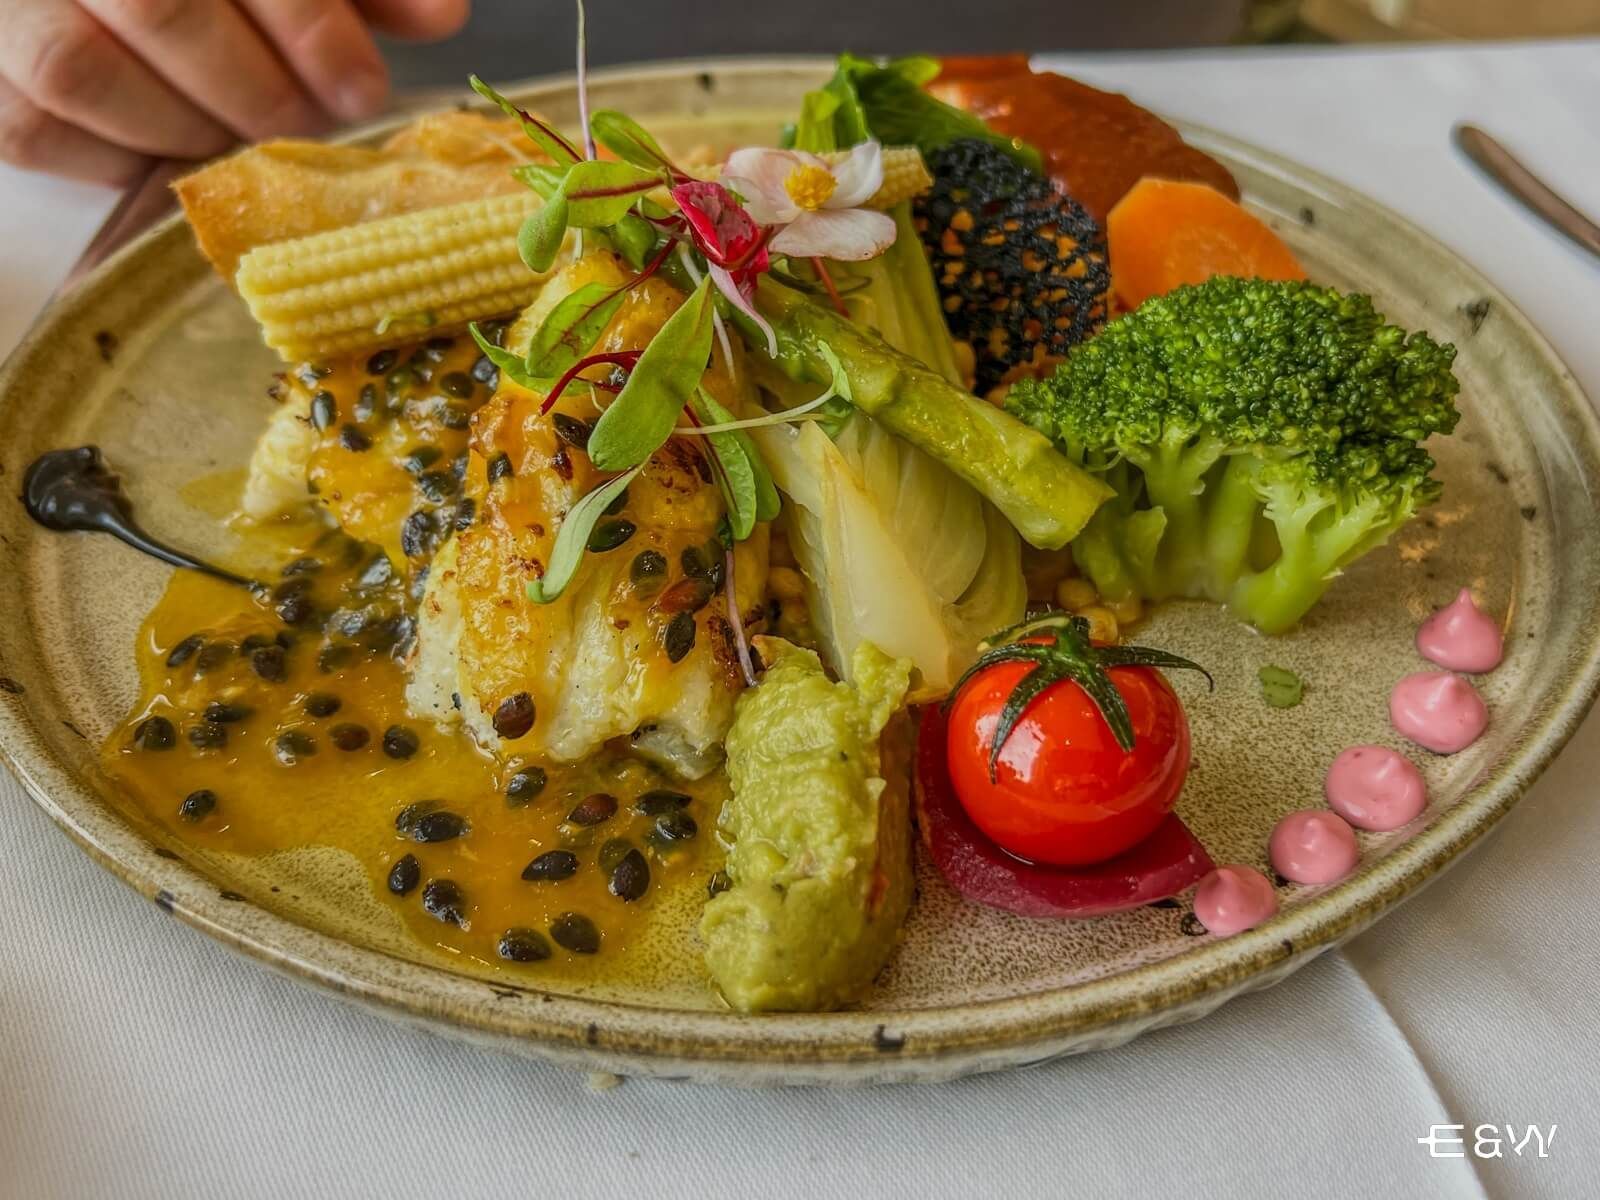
(1503, 167)
(145, 200)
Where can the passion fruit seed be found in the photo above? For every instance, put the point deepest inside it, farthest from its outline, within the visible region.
(500, 467)
(658, 801)
(594, 809)
(676, 826)
(458, 384)
(207, 735)
(154, 733)
(551, 867)
(292, 745)
(630, 878)
(324, 410)
(420, 459)
(212, 655)
(686, 596)
(613, 851)
(678, 639)
(523, 946)
(440, 826)
(611, 533)
(382, 362)
(411, 813)
(184, 650)
(405, 875)
(648, 568)
(349, 736)
(443, 900)
(694, 562)
(352, 439)
(438, 486)
(525, 785)
(301, 566)
(399, 742)
(270, 663)
(321, 704)
(294, 610)
(198, 805)
(220, 712)
(719, 882)
(331, 658)
(514, 716)
(575, 932)
(419, 533)
(571, 430)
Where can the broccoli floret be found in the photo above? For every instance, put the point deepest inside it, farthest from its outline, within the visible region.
(1259, 437)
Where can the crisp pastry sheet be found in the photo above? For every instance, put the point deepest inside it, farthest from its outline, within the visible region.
(289, 188)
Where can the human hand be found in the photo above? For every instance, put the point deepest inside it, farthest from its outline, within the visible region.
(90, 89)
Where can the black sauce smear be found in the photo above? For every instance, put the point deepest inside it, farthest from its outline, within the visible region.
(73, 491)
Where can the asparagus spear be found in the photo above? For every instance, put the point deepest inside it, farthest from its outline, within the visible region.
(1047, 498)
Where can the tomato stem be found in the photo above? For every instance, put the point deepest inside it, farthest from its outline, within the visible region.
(1067, 656)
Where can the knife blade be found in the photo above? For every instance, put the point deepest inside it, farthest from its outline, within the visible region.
(145, 199)
(1527, 188)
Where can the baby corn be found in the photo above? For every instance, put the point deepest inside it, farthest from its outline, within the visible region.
(391, 279)
(904, 175)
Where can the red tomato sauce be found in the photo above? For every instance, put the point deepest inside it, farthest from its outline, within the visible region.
(1096, 145)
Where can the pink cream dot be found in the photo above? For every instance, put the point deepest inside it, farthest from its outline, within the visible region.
(1313, 846)
(1232, 899)
(1374, 788)
(1461, 637)
(1438, 711)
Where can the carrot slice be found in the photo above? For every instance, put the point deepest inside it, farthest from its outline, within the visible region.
(1164, 233)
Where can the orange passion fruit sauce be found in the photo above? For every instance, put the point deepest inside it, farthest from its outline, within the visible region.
(276, 719)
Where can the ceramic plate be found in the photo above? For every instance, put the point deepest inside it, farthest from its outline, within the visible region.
(154, 360)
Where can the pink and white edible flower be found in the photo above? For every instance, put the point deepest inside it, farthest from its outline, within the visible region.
(815, 207)
(734, 246)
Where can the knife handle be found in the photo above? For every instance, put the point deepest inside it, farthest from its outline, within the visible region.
(1505, 169)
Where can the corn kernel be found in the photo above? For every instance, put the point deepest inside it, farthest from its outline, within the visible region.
(786, 583)
(904, 175)
(1102, 624)
(1076, 594)
(1127, 610)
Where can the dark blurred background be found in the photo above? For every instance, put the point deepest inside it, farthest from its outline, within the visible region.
(509, 39)
(513, 39)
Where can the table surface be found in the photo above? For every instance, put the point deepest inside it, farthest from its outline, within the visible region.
(139, 1058)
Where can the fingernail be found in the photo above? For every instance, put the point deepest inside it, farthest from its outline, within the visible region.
(362, 94)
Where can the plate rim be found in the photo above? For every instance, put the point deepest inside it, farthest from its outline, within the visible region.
(853, 1044)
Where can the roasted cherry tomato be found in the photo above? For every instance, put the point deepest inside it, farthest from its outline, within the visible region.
(1093, 749)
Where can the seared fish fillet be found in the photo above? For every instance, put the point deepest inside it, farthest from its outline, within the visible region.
(639, 646)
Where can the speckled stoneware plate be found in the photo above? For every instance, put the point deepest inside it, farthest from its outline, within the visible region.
(176, 393)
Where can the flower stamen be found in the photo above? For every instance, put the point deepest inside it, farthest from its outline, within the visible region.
(809, 186)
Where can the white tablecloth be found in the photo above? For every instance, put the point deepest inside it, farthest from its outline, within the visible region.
(137, 1058)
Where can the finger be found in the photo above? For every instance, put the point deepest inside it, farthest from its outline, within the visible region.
(31, 138)
(66, 63)
(211, 53)
(424, 20)
(327, 44)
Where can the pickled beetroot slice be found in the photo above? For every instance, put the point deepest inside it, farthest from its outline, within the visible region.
(1164, 864)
